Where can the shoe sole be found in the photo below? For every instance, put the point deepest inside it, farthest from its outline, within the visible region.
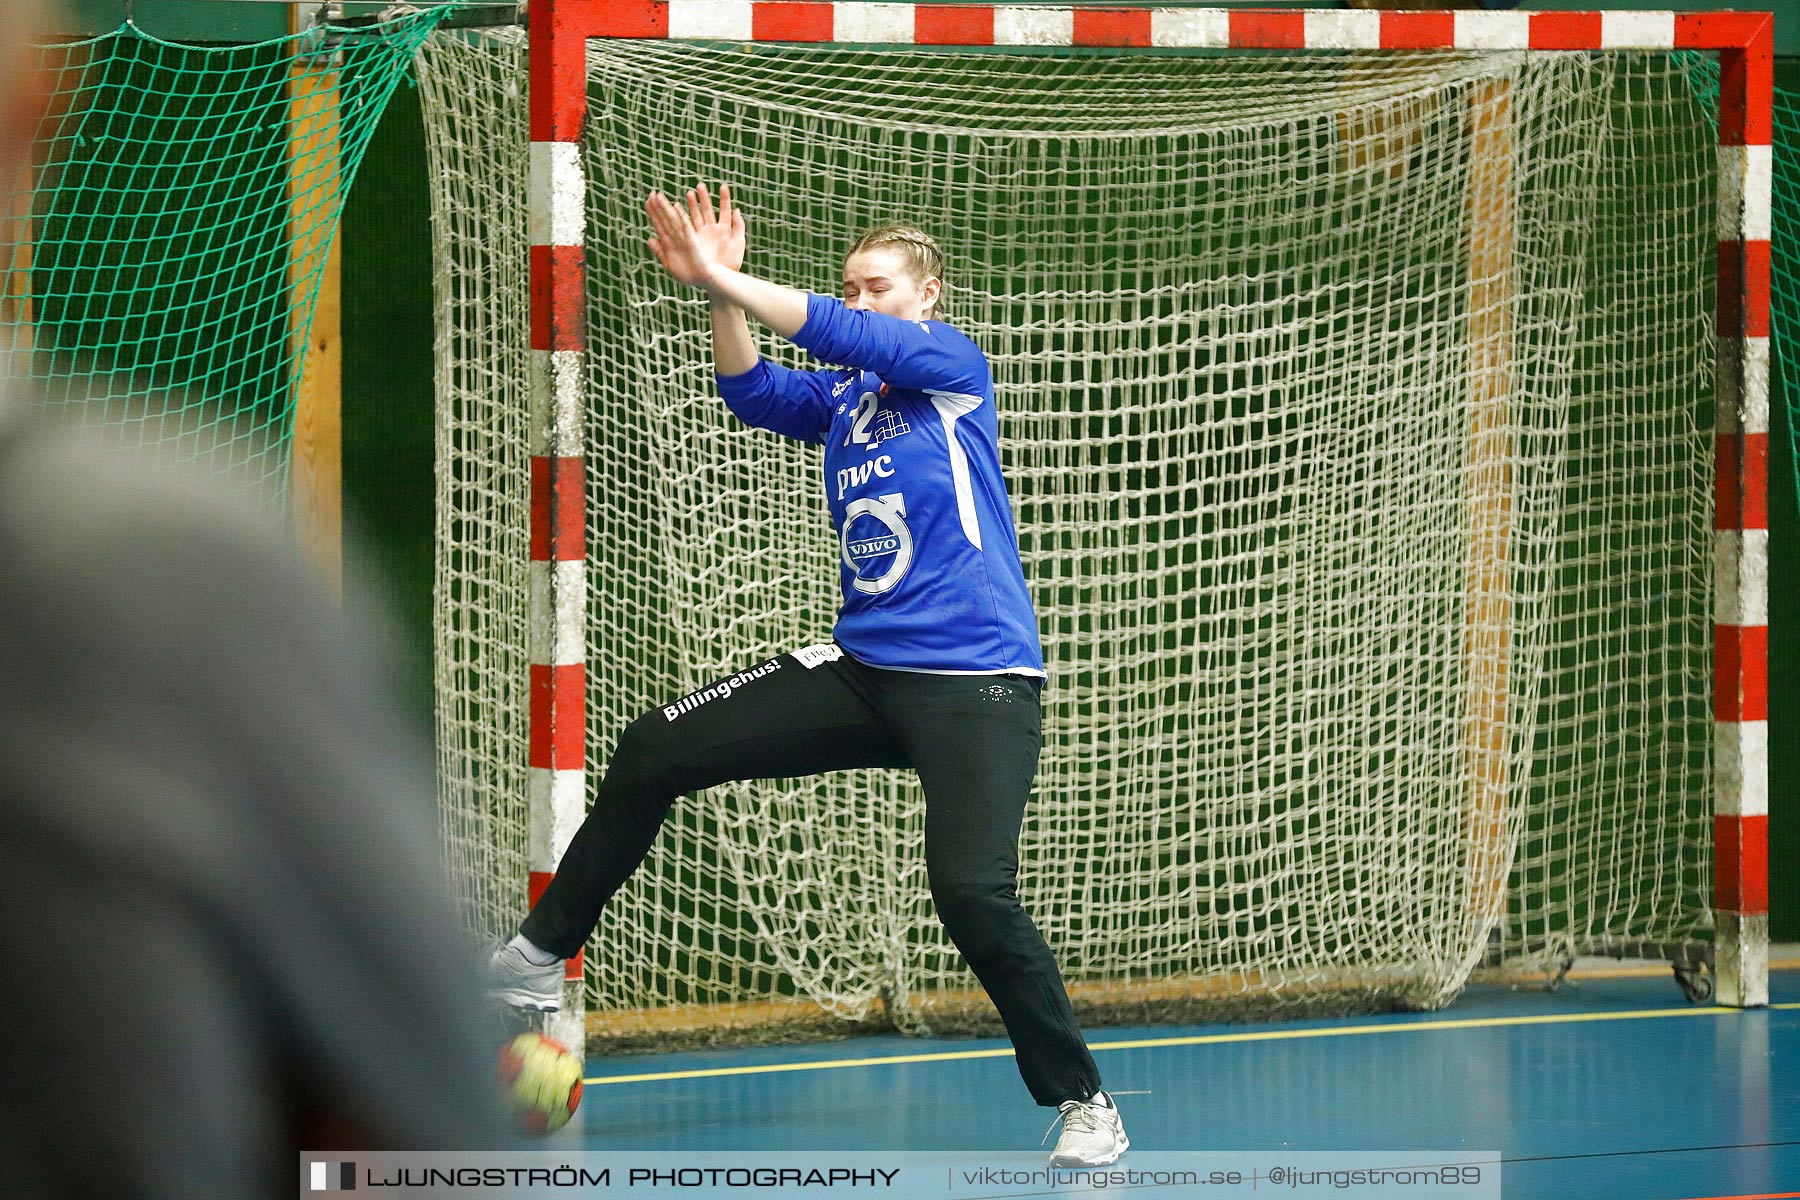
(527, 1001)
(1124, 1145)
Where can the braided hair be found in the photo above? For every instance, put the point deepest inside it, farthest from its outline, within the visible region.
(921, 251)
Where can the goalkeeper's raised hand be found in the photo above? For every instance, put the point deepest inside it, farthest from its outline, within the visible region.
(705, 250)
(691, 243)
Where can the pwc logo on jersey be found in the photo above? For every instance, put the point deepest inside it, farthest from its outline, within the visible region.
(881, 467)
(877, 545)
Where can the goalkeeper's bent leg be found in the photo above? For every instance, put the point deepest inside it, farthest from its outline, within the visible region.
(779, 719)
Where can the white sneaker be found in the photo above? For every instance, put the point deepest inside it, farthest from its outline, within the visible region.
(514, 979)
(1092, 1133)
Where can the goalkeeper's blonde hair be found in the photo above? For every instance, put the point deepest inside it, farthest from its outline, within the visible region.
(921, 251)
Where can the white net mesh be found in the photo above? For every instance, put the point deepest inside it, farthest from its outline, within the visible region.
(1357, 416)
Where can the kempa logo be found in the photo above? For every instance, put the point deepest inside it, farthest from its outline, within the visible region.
(719, 690)
(332, 1177)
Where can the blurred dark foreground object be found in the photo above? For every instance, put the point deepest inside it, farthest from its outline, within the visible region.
(227, 937)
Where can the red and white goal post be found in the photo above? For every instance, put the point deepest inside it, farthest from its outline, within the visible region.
(1302, 828)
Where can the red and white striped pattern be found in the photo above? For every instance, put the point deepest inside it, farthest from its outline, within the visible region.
(1741, 523)
(1744, 42)
(558, 572)
(853, 22)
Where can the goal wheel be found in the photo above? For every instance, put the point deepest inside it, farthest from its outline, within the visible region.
(1696, 982)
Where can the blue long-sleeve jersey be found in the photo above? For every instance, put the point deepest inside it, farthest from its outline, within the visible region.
(928, 557)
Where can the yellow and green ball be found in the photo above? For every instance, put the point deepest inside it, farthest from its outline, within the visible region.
(540, 1082)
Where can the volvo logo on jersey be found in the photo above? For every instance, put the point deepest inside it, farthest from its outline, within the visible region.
(877, 545)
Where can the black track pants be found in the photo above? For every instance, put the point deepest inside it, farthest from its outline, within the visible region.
(973, 739)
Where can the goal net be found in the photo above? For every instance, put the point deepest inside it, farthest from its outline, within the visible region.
(1357, 414)
(164, 250)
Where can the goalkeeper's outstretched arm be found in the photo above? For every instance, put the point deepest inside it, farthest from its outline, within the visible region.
(888, 336)
(696, 247)
(760, 393)
(722, 232)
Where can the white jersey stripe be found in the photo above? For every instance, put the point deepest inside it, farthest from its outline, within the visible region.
(950, 406)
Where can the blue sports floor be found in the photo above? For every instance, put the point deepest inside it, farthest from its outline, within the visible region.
(1613, 1086)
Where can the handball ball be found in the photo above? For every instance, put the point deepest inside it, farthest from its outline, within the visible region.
(540, 1082)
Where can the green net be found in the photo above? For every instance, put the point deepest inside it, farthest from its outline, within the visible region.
(168, 243)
